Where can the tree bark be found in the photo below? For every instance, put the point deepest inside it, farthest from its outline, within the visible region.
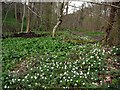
(56, 26)
(67, 7)
(81, 18)
(59, 19)
(23, 18)
(118, 27)
(16, 11)
(114, 37)
(16, 15)
(110, 24)
(28, 20)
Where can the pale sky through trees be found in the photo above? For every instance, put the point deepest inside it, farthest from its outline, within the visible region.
(58, 0)
(76, 4)
(71, 9)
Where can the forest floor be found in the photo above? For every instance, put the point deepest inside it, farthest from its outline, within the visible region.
(26, 35)
(66, 61)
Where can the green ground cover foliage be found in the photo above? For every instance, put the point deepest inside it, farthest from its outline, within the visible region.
(52, 62)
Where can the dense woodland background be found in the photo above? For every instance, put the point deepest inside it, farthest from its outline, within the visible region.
(48, 45)
(43, 16)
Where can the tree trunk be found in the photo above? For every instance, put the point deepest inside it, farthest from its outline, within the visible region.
(16, 11)
(67, 7)
(110, 24)
(114, 37)
(28, 20)
(81, 18)
(16, 15)
(56, 26)
(23, 18)
(118, 27)
(59, 19)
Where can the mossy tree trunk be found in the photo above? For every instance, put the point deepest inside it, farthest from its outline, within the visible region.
(109, 28)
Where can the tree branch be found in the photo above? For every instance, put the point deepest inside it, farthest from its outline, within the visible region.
(111, 5)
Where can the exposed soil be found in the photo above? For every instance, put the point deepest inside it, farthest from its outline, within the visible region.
(26, 35)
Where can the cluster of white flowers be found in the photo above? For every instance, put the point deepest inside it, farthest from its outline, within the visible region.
(85, 67)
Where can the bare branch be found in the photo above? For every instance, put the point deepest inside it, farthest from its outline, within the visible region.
(33, 12)
(111, 5)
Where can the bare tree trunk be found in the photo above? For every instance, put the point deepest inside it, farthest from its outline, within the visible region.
(23, 18)
(28, 20)
(16, 11)
(110, 24)
(118, 27)
(67, 7)
(81, 15)
(56, 26)
(114, 37)
(16, 15)
(59, 19)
